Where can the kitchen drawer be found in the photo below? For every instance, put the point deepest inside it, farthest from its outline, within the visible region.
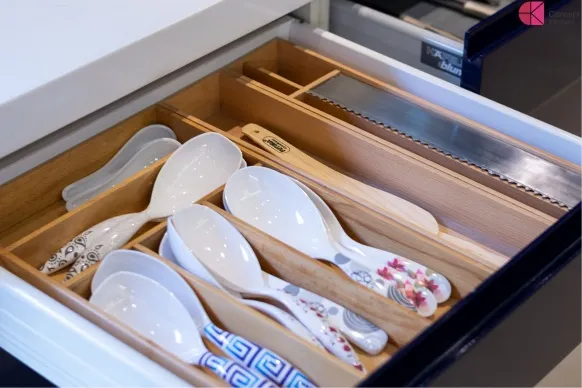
(35, 222)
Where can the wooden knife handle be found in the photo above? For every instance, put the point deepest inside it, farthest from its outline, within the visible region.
(392, 206)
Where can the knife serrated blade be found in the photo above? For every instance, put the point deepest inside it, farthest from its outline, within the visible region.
(453, 138)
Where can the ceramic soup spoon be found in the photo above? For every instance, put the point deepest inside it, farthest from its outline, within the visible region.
(386, 263)
(199, 166)
(130, 148)
(154, 312)
(220, 247)
(358, 331)
(195, 267)
(261, 360)
(76, 247)
(148, 154)
(273, 203)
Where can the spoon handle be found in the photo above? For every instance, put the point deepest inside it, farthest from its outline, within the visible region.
(386, 262)
(391, 205)
(406, 294)
(115, 238)
(358, 330)
(75, 248)
(234, 374)
(261, 360)
(315, 322)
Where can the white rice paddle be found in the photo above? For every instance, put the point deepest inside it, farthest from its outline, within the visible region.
(196, 268)
(199, 166)
(263, 361)
(156, 313)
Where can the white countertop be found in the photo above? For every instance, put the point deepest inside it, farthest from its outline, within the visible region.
(63, 59)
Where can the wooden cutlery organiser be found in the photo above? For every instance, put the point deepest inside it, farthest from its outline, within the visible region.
(291, 72)
(267, 87)
(226, 101)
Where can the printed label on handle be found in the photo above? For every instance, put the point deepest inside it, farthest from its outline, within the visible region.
(276, 144)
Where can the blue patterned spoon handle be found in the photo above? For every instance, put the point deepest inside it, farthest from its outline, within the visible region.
(234, 374)
(261, 360)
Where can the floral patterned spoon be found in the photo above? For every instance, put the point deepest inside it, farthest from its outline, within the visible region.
(273, 203)
(387, 264)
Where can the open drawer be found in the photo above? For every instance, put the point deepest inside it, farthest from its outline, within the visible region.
(266, 87)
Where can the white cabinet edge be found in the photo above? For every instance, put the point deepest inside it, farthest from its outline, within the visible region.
(480, 109)
(64, 347)
(67, 137)
(52, 105)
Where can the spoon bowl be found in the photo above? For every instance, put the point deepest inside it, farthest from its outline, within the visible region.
(129, 149)
(150, 309)
(148, 154)
(172, 242)
(220, 248)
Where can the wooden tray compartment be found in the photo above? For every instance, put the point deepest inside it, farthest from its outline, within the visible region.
(25, 255)
(35, 222)
(462, 206)
(306, 65)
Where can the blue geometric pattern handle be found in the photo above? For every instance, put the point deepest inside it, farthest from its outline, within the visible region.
(264, 361)
(234, 374)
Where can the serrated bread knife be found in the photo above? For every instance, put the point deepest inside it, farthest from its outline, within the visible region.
(453, 138)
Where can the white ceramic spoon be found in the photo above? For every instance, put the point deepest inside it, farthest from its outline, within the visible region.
(133, 145)
(148, 154)
(238, 348)
(156, 313)
(386, 263)
(358, 330)
(220, 247)
(175, 243)
(273, 203)
(76, 247)
(199, 166)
